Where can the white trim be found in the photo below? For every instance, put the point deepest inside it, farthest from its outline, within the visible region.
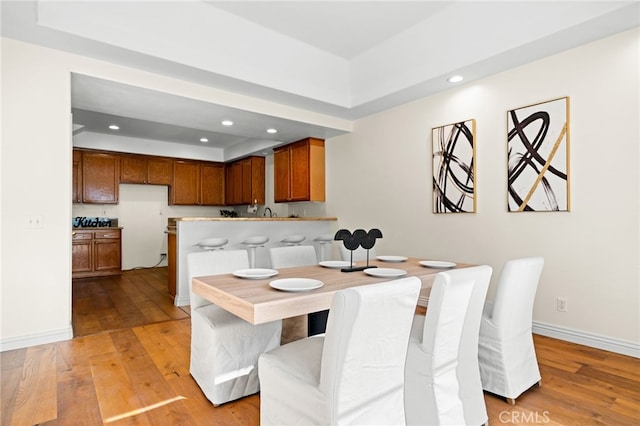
(181, 300)
(619, 346)
(36, 339)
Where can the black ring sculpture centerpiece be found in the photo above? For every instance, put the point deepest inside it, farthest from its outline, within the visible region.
(359, 238)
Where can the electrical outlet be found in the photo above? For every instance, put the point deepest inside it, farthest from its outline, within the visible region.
(562, 304)
(34, 221)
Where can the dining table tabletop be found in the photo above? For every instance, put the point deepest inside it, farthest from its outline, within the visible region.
(256, 301)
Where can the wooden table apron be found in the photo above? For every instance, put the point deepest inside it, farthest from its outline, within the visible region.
(256, 302)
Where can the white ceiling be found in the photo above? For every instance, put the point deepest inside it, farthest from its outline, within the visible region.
(345, 59)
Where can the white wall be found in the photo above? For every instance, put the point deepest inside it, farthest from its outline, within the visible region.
(591, 253)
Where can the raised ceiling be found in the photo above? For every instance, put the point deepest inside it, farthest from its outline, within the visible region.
(337, 58)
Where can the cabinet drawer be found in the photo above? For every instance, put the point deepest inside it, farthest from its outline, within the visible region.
(107, 234)
(79, 236)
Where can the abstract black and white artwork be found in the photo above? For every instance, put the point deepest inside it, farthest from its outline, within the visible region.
(538, 157)
(454, 189)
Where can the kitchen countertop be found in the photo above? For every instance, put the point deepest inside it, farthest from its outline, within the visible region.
(97, 228)
(172, 220)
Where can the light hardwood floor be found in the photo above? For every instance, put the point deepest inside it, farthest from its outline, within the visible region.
(131, 366)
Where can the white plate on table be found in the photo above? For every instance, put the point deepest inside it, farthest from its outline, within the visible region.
(335, 264)
(392, 258)
(385, 272)
(256, 273)
(296, 284)
(439, 264)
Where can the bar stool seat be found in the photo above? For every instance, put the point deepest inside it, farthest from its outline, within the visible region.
(252, 243)
(212, 243)
(292, 240)
(323, 240)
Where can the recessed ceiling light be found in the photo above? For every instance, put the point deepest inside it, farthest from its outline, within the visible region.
(114, 127)
(227, 123)
(455, 79)
(272, 131)
(204, 140)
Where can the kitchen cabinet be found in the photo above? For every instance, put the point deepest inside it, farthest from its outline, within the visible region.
(299, 171)
(172, 260)
(212, 184)
(76, 192)
(100, 177)
(197, 183)
(96, 252)
(144, 169)
(245, 181)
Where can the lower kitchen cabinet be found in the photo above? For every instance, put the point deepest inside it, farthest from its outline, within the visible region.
(171, 261)
(96, 252)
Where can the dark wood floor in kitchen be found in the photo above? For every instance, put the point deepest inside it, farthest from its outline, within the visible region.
(137, 297)
(131, 366)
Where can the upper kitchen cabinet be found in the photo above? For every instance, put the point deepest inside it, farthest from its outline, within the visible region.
(212, 184)
(197, 183)
(100, 177)
(77, 177)
(299, 171)
(145, 169)
(245, 181)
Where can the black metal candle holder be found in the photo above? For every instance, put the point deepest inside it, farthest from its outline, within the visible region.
(359, 238)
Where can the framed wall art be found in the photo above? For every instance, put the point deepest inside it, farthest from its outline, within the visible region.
(538, 157)
(454, 174)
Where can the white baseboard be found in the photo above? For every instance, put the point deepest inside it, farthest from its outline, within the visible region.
(623, 347)
(36, 339)
(181, 301)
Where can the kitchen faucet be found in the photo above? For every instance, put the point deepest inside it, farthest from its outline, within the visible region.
(265, 212)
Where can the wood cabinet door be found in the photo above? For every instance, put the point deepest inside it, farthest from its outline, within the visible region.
(159, 171)
(107, 254)
(76, 191)
(281, 175)
(133, 169)
(212, 184)
(257, 180)
(229, 185)
(299, 172)
(185, 184)
(82, 256)
(100, 178)
(245, 170)
(172, 263)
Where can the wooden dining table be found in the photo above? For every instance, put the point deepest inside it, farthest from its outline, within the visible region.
(255, 301)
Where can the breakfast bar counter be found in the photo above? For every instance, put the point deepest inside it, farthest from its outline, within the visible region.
(186, 232)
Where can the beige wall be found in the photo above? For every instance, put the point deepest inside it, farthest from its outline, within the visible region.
(377, 176)
(380, 176)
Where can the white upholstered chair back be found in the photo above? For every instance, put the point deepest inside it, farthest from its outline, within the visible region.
(354, 373)
(213, 263)
(362, 370)
(436, 391)
(512, 308)
(290, 256)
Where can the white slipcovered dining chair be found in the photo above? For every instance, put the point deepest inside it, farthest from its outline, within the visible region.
(442, 378)
(289, 257)
(224, 347)
(507, 357)
(354, 373)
